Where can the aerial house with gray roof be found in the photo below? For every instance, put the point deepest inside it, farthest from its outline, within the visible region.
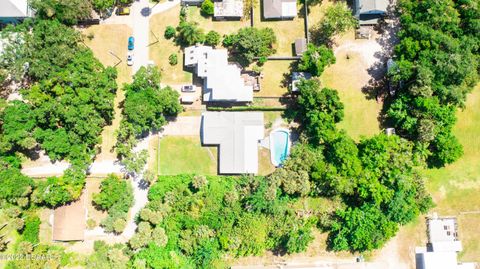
(237, 135)
(369, 12)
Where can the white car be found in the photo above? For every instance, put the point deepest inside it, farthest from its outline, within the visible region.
(130, 59)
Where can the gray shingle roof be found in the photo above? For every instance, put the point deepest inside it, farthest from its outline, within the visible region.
(237, 135)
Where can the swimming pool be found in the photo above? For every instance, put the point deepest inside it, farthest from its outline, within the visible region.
(279, 145)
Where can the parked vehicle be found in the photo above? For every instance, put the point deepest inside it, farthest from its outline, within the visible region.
(187, 100)
(122, 11)
(131, 43)
(130, 59)
(188, 88)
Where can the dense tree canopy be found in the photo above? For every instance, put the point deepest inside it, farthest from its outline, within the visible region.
(195, 226)
(316, 59)
(67, 101)
(116, 197)
(375, 179)
(437, 64)
(251, 42)
(337, 19)
(66, 11)
(317, 109)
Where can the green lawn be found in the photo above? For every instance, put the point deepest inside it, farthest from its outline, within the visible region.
(161, 50)
(286, 31)
(348, 76)
(11, 235)
(185, 155)
(275, 79)
(456, 187)
(208, 24)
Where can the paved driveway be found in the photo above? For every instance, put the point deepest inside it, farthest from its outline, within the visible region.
(139, 21)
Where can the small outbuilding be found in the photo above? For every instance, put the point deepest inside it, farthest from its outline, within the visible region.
(279, 9)
(300, 46)
(369, 12)
(296, 77)
(69, 221)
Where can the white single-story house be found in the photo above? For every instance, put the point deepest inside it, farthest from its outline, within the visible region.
(279, 9)
(228, 9)
(14, 11)
(237, 135)
(222, 81)
(442, 247)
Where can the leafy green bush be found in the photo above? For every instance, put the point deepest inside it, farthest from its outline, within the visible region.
(207, 8)
(32, 229)
(212, 38)
(436, 67)
(169, 32)
(316, 59)
(116, 196)
(172, 59)
(56, 191)
(251, 42)
(189, 33)
(114, 193)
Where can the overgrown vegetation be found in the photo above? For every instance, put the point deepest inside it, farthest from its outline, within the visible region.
(193, 221)
(145, 109)
(67, 101)
(116, 197)
(436, 65)
(315, 59)
(336, 20)
(251, 42)
(376, 179)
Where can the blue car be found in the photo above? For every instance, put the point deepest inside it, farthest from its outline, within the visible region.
(131, 42)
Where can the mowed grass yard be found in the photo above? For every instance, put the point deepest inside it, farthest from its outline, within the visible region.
(348, 76)
(183, 155)
(456, 188)
(276, 75)
(208, 24)
(161, 50)
(106, 39)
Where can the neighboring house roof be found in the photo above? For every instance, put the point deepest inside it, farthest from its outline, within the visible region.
(277, 9)
(228, 8)
(369, 11)
(442, 234)
(237, 135)
(442, 247)
(14, 9)
(69, 221)
(300, 46)
(222, 81)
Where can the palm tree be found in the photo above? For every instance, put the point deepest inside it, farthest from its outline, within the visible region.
(189, 33)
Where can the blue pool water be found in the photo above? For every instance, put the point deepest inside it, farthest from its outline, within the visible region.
(279, 146)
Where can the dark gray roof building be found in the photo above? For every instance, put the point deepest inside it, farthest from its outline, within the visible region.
(368, 12)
